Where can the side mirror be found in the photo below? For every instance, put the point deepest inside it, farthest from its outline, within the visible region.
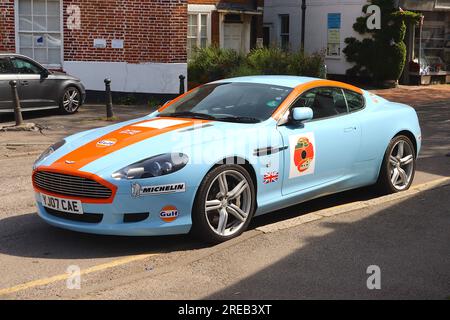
(44, 74)
(300, 114)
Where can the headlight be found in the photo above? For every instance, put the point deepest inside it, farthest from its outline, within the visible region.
(155, 166)
(50, 150)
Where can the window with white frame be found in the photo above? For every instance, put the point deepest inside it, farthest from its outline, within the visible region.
(284, 31)
(197, 32)
(39, 34)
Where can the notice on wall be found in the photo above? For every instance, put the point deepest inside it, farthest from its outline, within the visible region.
(117, 44)
(99, 43)
(334, 34)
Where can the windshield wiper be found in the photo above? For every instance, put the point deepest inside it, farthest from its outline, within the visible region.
(188, 114)
(239, 119)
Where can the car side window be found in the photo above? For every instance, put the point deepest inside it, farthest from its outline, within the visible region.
(5, 66)
(355, 101)
(25, 67)
(325, 102)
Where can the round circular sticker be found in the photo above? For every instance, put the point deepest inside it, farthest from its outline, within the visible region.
(168, 213)
(303, 154)
(106, 143)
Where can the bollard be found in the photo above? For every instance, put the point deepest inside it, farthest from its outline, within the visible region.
(16, 101)
(109, 104)
(182, 78)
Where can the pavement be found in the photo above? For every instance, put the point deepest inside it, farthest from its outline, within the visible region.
(319, 249)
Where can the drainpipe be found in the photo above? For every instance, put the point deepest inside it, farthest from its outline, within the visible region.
(302, 44)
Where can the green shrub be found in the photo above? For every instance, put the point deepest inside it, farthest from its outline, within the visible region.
(212, 63)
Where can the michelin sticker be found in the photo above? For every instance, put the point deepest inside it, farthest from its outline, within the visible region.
(302, 155)
(137, 190)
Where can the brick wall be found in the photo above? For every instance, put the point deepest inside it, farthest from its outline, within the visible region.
(152, 30)
(7, 34)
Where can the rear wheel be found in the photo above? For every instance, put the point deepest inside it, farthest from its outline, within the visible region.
(399, 166)
(70, 101)
(224, 204)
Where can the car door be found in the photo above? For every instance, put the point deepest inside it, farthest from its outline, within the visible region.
(322, 150)
(33, 88)
(6, 75)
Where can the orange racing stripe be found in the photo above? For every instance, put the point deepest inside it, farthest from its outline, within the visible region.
(116, 140)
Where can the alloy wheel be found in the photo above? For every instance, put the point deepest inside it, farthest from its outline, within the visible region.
(71, 100)
(228, 203)
(401, 161)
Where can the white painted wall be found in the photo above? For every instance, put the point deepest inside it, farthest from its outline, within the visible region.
(316, 25)
(126, 77)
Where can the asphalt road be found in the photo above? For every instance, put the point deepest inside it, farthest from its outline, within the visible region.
(407, 238)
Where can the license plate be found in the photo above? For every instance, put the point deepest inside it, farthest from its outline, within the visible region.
(61, 204)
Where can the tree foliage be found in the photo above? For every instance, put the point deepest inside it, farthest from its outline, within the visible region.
(381, 56)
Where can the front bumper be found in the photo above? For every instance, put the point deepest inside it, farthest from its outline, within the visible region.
(112, 220)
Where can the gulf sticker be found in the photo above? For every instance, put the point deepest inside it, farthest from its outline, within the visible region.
(168, 213)
(106, 143)
(302, 154)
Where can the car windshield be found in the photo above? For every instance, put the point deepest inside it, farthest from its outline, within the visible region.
(229, 101)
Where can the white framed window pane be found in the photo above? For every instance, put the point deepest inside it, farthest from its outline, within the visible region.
(54, 56)
(39, 40)
(204, 32)
(192, 31)
(54, 41)
(25, 7)
(40, 54)
(39, 23)
(53, 8)
(192, 20)
(26, 40)
(53, 24)
(26, 52)
(203, 20)
(25, 23)
(203, 42)
(39, 7)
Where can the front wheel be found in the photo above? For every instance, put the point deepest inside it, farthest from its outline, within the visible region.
(70, 101)
(224, 204)
(399, 166)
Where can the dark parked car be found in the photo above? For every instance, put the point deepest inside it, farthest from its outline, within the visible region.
(38, 87)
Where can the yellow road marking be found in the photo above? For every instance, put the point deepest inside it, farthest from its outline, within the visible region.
(60, 277)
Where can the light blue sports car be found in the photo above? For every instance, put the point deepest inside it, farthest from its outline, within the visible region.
(211, 159)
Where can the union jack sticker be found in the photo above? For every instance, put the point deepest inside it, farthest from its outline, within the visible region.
(270, 177)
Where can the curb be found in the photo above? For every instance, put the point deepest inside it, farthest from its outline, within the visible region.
(347, 208)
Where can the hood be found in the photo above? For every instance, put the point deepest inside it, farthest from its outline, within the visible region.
(61, 76)
(107, 149)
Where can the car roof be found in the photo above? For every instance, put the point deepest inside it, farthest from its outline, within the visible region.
(278, 80)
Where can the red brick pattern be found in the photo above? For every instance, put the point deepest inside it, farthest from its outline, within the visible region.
(7, 34)
(152, 30)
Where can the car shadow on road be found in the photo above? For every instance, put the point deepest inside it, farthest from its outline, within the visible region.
(27, 235)
(408, 240)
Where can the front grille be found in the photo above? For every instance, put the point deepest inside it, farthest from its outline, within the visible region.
(71, 185)
(85, 217)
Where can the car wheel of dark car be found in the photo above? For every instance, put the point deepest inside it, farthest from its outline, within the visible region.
(224, 204)
(70, 100)
(399, 166)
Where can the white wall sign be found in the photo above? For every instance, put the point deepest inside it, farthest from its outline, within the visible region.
(99, 43)
(117, 44)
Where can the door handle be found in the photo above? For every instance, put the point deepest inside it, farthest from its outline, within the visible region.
(350, 129)
(24, 83)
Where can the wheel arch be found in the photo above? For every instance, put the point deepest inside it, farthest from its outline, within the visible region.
(411, 136)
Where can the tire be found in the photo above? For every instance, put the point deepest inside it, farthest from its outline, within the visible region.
(67, 106)
(208, 225)
(385, 184)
